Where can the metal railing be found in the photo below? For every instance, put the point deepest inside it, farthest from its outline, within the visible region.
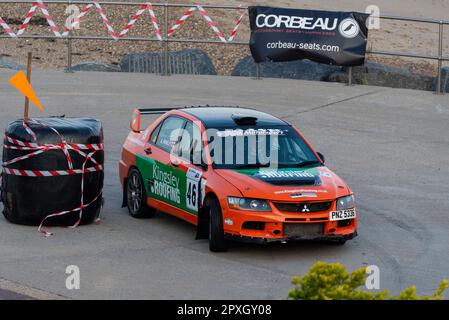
(440, 57)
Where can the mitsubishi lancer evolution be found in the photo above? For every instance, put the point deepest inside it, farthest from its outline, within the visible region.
(236, 174)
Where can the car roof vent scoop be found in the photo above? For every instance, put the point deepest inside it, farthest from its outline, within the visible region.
(243, 120)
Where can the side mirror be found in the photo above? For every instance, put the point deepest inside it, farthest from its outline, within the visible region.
(323, 160)
(135, 121)
(175, 163)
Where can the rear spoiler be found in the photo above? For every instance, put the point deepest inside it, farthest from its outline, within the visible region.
(156, 110)
(137, 113)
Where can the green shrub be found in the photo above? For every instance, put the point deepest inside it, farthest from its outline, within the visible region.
(330, 281)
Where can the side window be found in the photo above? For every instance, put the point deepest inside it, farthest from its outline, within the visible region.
(185, 146)
(170, 133)
(191, 146)
(154, 134)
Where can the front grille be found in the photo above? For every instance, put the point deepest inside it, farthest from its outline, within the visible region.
(253, 225)
(295, 219)
(303, 207)
(303, 230)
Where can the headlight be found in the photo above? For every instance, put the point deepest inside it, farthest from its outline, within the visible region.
(248, 204)
(344, 203)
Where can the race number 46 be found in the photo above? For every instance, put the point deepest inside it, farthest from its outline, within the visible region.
(193, 188)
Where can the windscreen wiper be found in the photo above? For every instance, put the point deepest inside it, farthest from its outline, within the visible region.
(306, 163)
(253, 166)
(300, 164)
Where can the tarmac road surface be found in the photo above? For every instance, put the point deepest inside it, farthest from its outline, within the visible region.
(10, 295)
(390, 146)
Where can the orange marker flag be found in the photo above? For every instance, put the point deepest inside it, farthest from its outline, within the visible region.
(20, 82)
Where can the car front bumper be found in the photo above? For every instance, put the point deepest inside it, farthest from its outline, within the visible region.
(257, 240)
(278, 226)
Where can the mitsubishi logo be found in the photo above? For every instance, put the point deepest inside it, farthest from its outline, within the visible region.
(305, 209)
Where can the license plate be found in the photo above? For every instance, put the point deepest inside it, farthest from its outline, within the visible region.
(303, 230)
(342, 215)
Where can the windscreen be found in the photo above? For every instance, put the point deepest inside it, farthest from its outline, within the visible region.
(254, 147)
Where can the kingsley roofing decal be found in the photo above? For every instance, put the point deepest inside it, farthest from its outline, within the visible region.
(162, 182)
(279, 34)
(172, 185)
(165, 184)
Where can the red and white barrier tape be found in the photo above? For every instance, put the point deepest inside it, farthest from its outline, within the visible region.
(106, 22)
(211, 24)
(147, 6)
(236, 28)
(39, 4)
(209, 21)
(29, 131)
(181, 20)
(80, 208)
(41, 148)
(52, 173)
(7, 28)
(17, 144)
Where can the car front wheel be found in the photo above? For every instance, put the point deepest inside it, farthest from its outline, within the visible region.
(217, 242)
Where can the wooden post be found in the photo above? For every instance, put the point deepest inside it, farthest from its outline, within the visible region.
(27, 101)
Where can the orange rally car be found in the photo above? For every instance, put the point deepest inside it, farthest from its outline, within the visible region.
(236, 174)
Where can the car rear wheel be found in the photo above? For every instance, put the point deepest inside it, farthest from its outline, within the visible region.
(217, 242)
(136, 196)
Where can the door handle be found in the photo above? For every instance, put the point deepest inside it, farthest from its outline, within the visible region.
(148, 150)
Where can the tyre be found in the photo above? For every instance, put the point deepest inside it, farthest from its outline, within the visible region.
(217, 242)
(136, 196)
(9, 213)
(13, 215)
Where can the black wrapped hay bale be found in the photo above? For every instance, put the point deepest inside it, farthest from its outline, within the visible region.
(43, 184)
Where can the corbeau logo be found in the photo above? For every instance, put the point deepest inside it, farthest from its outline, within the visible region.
(295, 22)
(349, 28)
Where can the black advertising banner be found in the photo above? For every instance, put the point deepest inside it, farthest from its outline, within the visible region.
(279, 34)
